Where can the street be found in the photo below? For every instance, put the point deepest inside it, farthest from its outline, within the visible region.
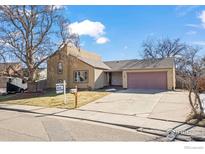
(127, 115)
(20, 126)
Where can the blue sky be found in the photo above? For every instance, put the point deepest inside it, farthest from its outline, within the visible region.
(117, 32)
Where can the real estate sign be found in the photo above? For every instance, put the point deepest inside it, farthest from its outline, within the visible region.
(59, 88)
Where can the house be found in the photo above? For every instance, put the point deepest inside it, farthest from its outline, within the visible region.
(8, 71)
(88, 71)
(77, 67)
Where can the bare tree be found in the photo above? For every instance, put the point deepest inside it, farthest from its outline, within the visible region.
(2, 52)
(32, 33)
(191, 70)
(162, 48)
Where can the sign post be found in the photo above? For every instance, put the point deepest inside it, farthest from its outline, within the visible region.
(61, 88)
(75, 92)
(76, 97)
(64, 84)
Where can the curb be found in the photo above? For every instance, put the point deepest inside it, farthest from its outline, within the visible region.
(154, 131)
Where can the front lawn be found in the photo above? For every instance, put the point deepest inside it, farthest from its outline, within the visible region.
(51, 99)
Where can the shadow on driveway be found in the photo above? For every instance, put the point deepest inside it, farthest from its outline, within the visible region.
(142, 91)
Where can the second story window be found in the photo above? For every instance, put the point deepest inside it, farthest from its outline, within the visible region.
(60, 68)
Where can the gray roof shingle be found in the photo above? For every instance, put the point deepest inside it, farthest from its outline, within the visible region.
(120, 65)
(94, 63)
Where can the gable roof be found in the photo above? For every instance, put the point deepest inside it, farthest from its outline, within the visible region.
(71, 49)
(10, 68)
(120, 65)
(4, 66)
(94, 63)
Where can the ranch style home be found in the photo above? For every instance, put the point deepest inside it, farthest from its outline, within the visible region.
(88, 71)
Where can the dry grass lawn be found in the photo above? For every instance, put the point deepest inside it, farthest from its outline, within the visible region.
(50, 99)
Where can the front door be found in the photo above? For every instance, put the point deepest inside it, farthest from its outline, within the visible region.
(110, 78)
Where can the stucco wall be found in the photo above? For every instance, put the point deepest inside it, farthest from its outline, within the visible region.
(71, 64)
(174, 78)
(52, 75)
(170, 76)
(3, 81)
(68, 73)
(117, 78)
(100, 79)
(78, 65)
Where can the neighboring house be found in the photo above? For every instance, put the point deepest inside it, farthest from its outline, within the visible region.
(88, 71)
(40, 82)
(8, 71)
(42, 74)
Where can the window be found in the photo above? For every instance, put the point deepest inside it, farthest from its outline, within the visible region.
(80, 76)
(60, 67)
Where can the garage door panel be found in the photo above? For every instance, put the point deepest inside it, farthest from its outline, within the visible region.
(147, 80)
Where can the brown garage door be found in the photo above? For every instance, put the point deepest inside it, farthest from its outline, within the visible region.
(147, 80)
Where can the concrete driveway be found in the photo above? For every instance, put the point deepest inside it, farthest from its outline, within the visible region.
(167, 105)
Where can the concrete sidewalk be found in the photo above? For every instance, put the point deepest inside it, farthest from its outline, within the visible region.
(130, 121)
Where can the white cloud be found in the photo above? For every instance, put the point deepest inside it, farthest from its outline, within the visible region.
(193, 25)
(87, 27)
(202, 17)
(191, 32)
(94, 29)
(102, 40)
(202, 43)
(125, 47)
(57, 7)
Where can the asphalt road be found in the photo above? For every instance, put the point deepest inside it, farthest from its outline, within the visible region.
(20, 126)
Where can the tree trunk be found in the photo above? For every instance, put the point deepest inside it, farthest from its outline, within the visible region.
(191, 102)
(201, 114)
(197, 108)
(32, 85)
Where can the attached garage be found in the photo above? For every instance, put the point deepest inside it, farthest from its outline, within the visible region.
(145, 73)
(147, 80)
